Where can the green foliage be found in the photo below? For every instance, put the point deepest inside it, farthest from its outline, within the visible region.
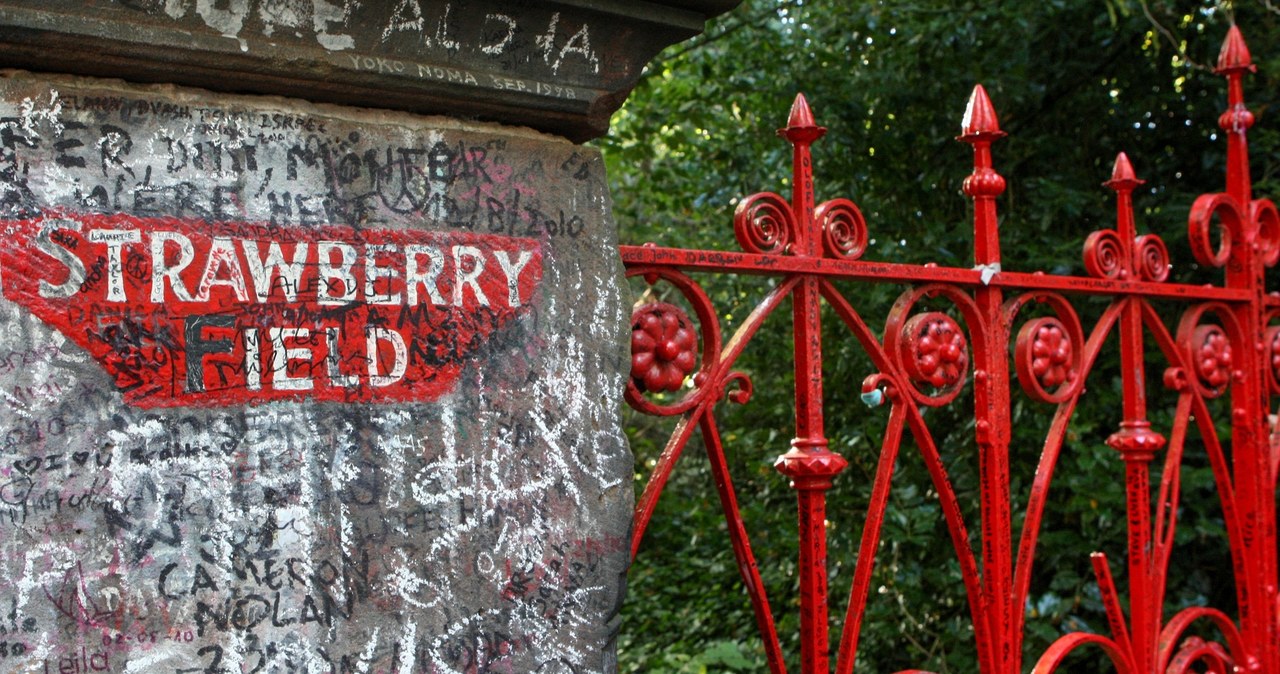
(1073, 82)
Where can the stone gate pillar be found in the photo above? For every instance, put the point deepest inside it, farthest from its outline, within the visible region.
(301, 386)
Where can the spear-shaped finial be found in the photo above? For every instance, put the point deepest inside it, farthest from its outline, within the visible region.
(1233, 62)
(801, 131)
(1122, 176)
(980, 118)
(1123, 181)
(1234, 55)
(980, 129)
(800, 125)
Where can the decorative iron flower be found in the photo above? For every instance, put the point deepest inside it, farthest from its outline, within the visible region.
(1051, 356)
(1213, 356)
(663, 347)
(940, 352)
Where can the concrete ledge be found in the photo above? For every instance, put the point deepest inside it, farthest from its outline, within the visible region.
(562, 67)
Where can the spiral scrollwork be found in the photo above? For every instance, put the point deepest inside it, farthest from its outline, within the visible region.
(844, 230)
(1103, 254)
(934, 351)
(1263, 213)
(1151, 258)
(1204, 212)
(763, 223)
(1209, 352)
(738, 388)
(664, 347)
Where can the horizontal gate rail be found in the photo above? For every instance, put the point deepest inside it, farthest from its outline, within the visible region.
(889, 272)
(1226, 344)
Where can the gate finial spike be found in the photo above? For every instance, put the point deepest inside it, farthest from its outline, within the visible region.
(1122, 176)
(800, 125)
(1234, 55)
(979, 117)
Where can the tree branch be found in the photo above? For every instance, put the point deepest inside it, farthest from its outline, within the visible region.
(1173, 40)
(704, 40)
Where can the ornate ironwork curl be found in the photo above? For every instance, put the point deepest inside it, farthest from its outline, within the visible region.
(1048, 353)
(1103, 254)
(671, 356)
(763, 223)
(741, 394)
(1208, 348)
(1151, 258)
(1262, 212)
(930, 348)
(1204, 211)
(844, 230)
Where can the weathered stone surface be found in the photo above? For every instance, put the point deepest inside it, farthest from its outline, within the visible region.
(176, 496)
(562, 66)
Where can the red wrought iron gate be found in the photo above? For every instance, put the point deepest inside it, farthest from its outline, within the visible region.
(1226, 344)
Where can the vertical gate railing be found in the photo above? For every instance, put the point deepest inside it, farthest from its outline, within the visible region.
(1227, 343)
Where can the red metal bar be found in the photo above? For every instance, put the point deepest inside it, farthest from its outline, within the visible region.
(990, 393)
(1254, 479)
(810, 464)
(870, 541)
(1135, 440)
(888, 272)
(742, 545)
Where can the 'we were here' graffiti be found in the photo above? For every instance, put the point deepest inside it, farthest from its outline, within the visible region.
(188, 312)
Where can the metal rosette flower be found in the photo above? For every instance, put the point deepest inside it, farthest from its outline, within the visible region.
(763, 223)
(1207, 348)
(930, 347)
(668, 347)
(1210, 355)
(664, 347)
(1047, 353)
(844, 230)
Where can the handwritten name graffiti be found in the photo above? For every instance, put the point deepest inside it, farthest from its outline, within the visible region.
(383, 65)
(112, 153)
(533, 37)
(184, 312)
(168, 260)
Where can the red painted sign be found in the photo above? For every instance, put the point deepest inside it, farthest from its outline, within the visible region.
(184, 312)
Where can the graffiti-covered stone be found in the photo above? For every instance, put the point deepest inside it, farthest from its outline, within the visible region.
(564, 67)
(295, 388)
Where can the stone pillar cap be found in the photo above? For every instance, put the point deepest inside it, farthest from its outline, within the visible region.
(561, 66)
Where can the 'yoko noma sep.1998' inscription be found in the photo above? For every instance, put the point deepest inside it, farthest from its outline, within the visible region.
(184, 312)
